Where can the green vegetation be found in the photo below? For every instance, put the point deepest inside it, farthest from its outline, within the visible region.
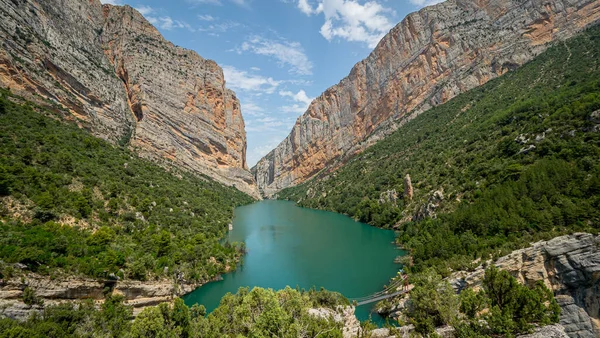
(503, 308)
(29, 297)
(256, 313)
(517, 159)
(433, 303)
(72, 203)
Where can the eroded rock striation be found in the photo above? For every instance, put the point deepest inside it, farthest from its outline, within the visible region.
(118, 77)
(430, 57)
(137, 294)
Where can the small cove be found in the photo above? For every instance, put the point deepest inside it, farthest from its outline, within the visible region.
(289, 245)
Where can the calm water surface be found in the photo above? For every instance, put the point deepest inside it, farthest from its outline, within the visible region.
(289, 245)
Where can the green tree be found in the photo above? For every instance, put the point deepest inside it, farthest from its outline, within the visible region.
(433, 303)
(29, 296)
(149, 323)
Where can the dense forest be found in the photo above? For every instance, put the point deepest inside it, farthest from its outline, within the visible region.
(513, 161)
(72, 203)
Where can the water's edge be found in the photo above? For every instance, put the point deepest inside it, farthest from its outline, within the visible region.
(292, 246)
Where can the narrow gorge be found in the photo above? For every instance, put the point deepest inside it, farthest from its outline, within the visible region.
(448, 186)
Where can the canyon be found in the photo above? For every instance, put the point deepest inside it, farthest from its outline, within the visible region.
(109, 70)
(430, 57)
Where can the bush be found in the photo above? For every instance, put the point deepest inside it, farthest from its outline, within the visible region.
(29, 297)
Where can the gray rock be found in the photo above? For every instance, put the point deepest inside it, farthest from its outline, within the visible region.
(549, 331)
(574, 319)
(428, 209)
(522, 139)
(389, 196)
(595, 116)
(527, 149)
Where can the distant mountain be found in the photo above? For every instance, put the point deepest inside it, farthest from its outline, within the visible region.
(124, 82)
(427, 59)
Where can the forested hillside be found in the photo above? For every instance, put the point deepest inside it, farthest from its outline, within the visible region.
(72, 203)
(512, 161)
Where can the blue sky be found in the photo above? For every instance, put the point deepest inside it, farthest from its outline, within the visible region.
(277, 55)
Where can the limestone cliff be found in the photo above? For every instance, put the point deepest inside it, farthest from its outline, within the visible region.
(138, 295)
(119, 78)
(430, 57)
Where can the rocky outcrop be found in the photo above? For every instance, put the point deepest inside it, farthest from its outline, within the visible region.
(389, 196)
(428, 210)
(408, 188)
(118, 77)
(549, 331)
(343, 315)
(430, 57)
(568, 265)
(137, 294)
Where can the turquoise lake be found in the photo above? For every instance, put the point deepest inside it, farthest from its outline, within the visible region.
(289, 245)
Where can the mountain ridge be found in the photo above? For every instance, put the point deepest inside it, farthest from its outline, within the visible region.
(428, 58)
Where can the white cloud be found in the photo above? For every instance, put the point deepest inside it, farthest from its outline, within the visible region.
(270, 124)
(305, 7)
(243, 3)
(163, 22)
(285, 52)
(144, 10)
(294, 108)
(252, 109)
(166, 22)
(206, 17)
(216, 29)
(241, 80)
(298, 97)
(255, 154)
(352, 21)
(111, 2)
(209, 2)
(423, 3)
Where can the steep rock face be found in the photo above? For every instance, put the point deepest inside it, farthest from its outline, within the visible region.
(53, 49)
(427, 59)
(122, 80)
(569, 266)
(183, 110)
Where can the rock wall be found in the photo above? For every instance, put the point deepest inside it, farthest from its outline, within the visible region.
(430, 57)
(137, 294)
(119, 78)
(568, 265)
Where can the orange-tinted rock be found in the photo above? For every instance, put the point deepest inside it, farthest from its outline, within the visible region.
(427, 59)
(119, 78)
